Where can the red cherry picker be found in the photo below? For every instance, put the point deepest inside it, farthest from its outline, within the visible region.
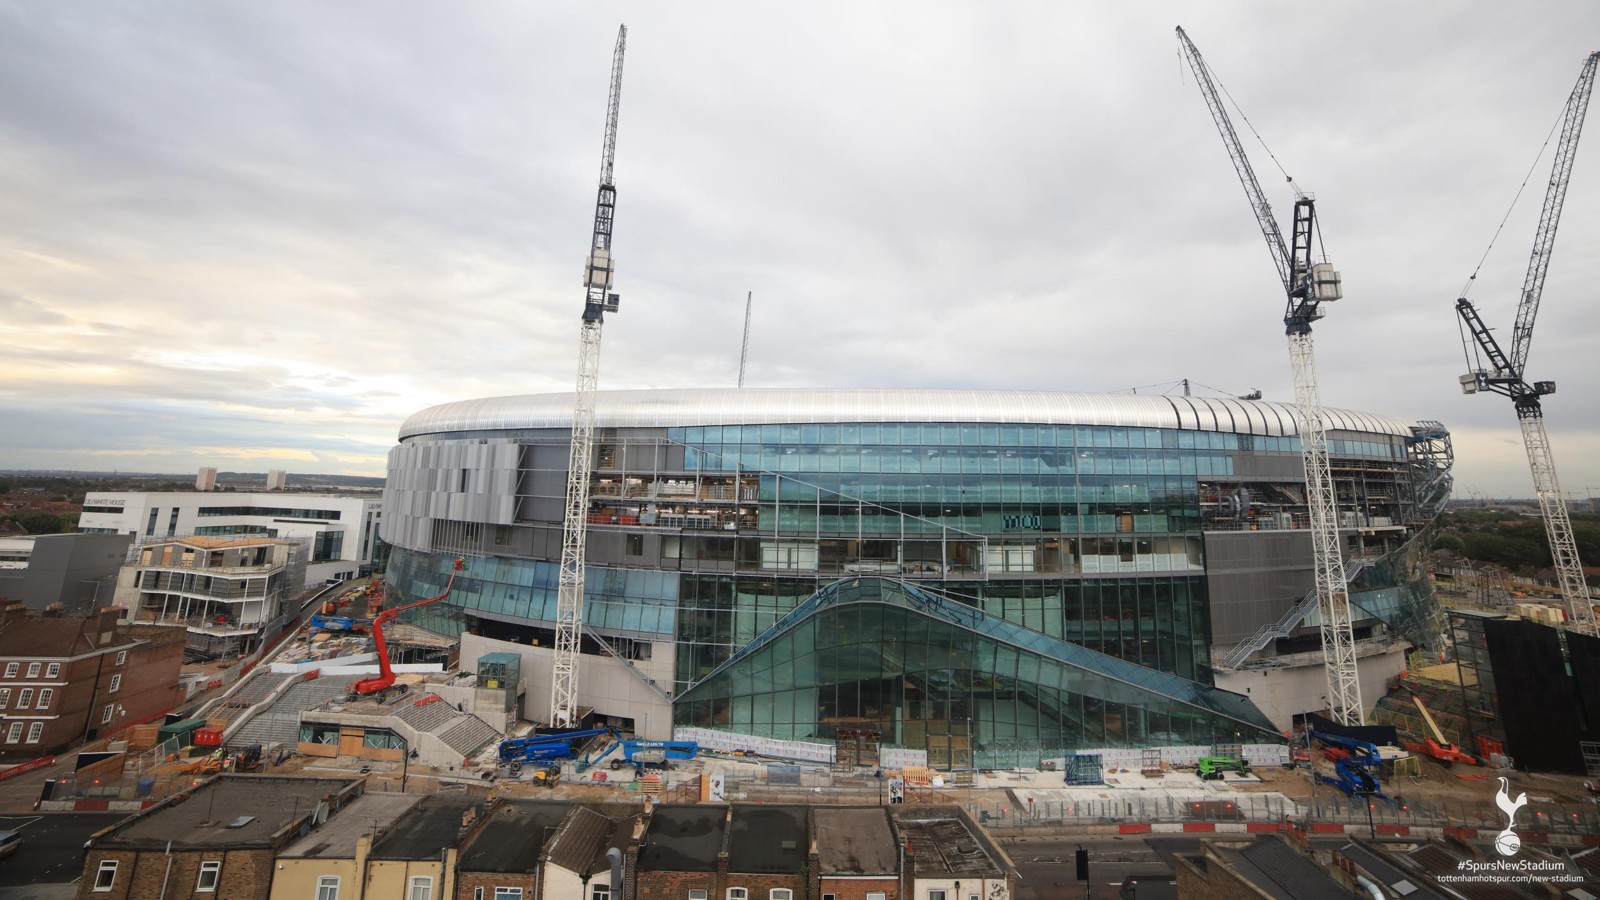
(380, 687)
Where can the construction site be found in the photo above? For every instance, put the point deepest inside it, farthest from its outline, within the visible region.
(1138, 615)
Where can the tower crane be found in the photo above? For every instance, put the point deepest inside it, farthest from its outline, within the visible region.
(1307, 284)
(1504, 372)
(598, 300)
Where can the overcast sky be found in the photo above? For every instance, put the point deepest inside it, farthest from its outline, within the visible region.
(261, 235)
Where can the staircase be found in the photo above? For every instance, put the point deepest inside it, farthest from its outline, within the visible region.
(462, 732)
(256, 690)
(280, 723)
(1282, 628)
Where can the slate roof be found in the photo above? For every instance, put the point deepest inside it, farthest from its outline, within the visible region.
(683, 839)
(433, 826)
(940, 843)
(768, 839)
(1377, 866)
(581, 844)
(514, 836)
(1275, 868)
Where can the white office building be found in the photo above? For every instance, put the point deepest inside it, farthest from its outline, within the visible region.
(342, 532)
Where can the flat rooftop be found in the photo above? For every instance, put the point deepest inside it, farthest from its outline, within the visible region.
(228, 811)
(941, 844)
(336, 838)
(855, 841)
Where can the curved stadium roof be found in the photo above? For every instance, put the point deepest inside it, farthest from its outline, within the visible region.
(762, 406)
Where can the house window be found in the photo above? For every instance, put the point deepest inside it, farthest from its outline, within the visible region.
(35, 731)
(877, 895)
(328, 887)
(5, 697)
(11, 670)
(600, 892)
(105, 717)
(738, 894)
(25, 698)
(698, 895)
(210, 873)
(421, 888)
(477, 893)
(45, 696)
(106, 875)
(53, 670)
(780, 894)
(935, 895)
(508, 893)
(15, 733)
(122, 657)
(33, 670)
(830, 897)
(116, 683)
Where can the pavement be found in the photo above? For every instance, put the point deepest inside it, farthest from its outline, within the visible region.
(17, 795)
(50, 856)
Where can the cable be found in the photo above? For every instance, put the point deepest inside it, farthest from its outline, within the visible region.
(1286, 176)
(1474, 276)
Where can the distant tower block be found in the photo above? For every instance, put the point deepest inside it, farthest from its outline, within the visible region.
(206, 480)
(277, 479)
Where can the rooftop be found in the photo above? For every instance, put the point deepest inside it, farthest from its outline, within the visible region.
(941, 843)
(581, 844)
(336, 838)
(434, 825)
(514, 836)
(683, 839)
(229, 811)
(768, 839)
(855, 841)
(747, 406)
(1278, 870)
(1381, 868)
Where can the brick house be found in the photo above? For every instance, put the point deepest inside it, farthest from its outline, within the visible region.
(66, 679)
(500, 856)
(734, 852)
(219, 840)
(947, 856)
(578, 858)
(330, 863)
(858, 857)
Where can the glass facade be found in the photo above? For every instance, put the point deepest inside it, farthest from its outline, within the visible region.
(1012, 585)
(930, 672)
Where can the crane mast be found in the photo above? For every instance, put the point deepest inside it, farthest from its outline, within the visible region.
(1504, 372)
(1307, 284)
(598, 300)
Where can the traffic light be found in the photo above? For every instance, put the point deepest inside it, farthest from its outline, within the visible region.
(1082, 857)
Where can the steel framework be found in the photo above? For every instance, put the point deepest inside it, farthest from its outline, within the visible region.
(1307, 285)
(1504, 372)
(598, 301)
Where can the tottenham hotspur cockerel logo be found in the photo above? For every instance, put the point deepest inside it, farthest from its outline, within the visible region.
(1507, 842)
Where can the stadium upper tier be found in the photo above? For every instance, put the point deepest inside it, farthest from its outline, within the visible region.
(757, 406)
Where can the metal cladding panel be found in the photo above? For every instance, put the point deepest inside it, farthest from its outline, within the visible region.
(758, 406)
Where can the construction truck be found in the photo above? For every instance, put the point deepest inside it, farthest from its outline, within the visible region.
(1211, 768)
(643, 755)
(546, 776)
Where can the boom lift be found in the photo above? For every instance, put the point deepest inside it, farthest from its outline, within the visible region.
(1356, 768)
(1504, 372)
(1307, 284)
(380, 686)
(541, 748)
(598, 301)
(1434, 743)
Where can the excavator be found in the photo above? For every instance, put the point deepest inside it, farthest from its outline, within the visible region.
(382, 686)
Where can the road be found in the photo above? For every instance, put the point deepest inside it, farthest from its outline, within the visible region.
(51, 851)
(1048, 870)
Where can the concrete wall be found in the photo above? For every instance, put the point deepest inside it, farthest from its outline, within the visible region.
(603, 683)
(562, 882)
(1280, 693)
(78, 571)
